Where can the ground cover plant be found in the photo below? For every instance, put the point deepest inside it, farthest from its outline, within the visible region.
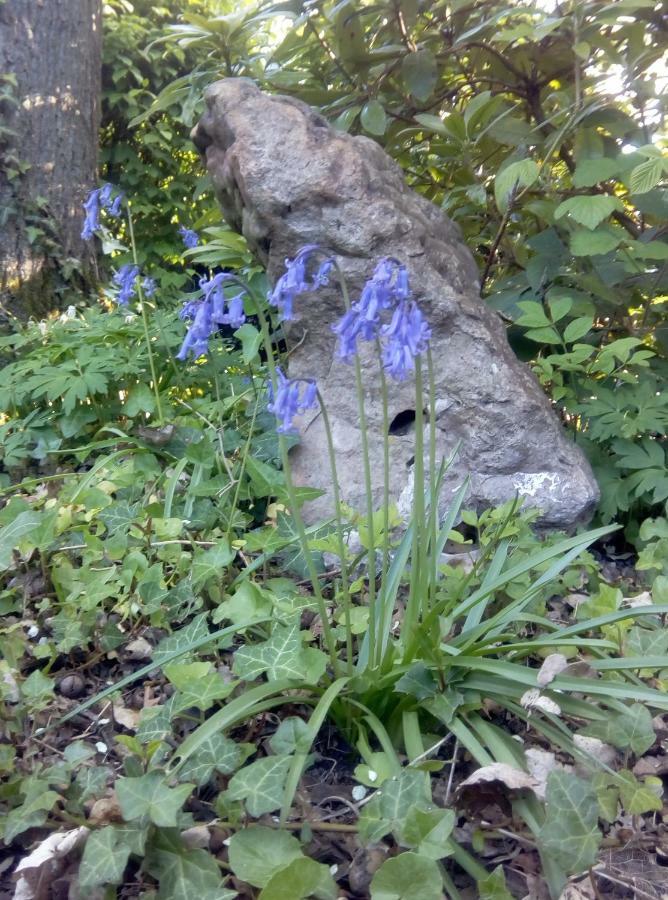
(203, 696)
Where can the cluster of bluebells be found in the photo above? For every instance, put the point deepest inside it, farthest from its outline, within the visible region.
(98, 200)
(189, 237)
(404, 338)
(209, 311)
(125, 280)
(292, 397)
(295, 281)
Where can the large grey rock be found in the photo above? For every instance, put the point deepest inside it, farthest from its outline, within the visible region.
(285, 178)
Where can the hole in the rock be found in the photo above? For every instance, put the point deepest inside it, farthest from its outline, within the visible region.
(403, 422)
(410, 461)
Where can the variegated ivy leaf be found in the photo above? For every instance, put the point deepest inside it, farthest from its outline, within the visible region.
(494, 886)
(149, 798)
(407, 877)
(184, 873)
(638, 797)
(570, 835)
(282, 656)
(194, 632)
(629, 730)
(217, 753)
(104, 858)
(261, 784)
(389, 808)
(428, 830)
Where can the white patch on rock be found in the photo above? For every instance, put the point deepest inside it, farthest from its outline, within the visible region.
(529, 484)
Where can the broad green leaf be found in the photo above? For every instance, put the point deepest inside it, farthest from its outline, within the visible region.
(420, 72)
(592, 171)
(407, 877)
(300, 879)
(204, 693)
(630, 730)
(560, 307)
(533, 314)
(577, 329)
(260, 785)
(373, 118)
(141, 399)
(266, 481)
(509, 180)
(636, 797)
(251, 341)
(494, 886)
(183, 873)
(589, 209)
(291, 736)
(646, 176)
(149, 798)
(183, 675)
(257, 853)
(282, 656)
(417, 681)
(104, 859)
(181, 640)
(11, 535)
(570, 834)
(593, 243)
(249, 601)
(649, 250)
(217, 754)
(543, 335)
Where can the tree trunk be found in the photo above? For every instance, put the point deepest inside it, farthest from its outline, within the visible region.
(50, 61)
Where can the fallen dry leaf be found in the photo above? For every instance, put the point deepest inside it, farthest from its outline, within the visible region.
(540, 763)
(128, 718)
(533, 699)
(37, 871)
(602, 752)
(105, 810)
(552, 665)
(492, 785)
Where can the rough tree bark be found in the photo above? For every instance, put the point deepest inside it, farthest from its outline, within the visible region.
(50, 61)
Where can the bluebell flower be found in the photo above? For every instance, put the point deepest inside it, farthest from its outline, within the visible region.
(292, 396)
(209, 311)
(189, 237)
(196, 342)
(98, 199)
(149, 286)
(295, 281)
(388, 285)
(125, 280)
(407, 337)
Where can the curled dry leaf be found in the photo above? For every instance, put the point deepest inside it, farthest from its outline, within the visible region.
(644, 599)
(197, 838)
(36, 872)
(105, 811)
(493, 784)
(533, 699)
(552, 665)
(128, 718)
(138, 649)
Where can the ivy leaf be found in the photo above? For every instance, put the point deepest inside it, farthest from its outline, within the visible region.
(589, 209)
(407, 877)
(282, 656)
(261, 784)
(636, 797)
(300, 879)
(428, 831)
(373, 118)
(257, 853)
(184, 873)
(266, 481)
(292, 735)
(148, 797)
(646, 176)
(209, 563)
(216, 754)
(104, 859)
(141, 399)
(203, 693)
(420, 72)
(630, 730)
(33, 811)
(119, 516)
(186, 637)
(570, 835)
(494, 886)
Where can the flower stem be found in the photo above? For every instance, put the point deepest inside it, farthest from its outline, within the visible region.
(416, 600)
(339, 531)
(294, 503)
(142, 306)
(433, 485)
